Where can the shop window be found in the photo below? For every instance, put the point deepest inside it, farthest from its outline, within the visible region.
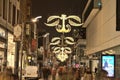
(11, 50)
(1, 60)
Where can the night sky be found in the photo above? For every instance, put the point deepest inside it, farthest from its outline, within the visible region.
(46, 8)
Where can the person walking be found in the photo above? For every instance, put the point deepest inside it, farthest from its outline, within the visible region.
(60, 72)
(103, 75)
(95, 70)
(64, 73)
(78, 74)
(7, 74)
(70, 74)
(88, 75)
(46, 73)
(53, 73)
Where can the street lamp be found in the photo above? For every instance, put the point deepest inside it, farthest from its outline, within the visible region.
(34, 20)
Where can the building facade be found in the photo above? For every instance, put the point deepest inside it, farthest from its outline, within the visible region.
(9, 12)
(103, 35)
(12, 12)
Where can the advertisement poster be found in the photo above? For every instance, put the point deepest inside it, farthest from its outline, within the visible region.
(108, 64)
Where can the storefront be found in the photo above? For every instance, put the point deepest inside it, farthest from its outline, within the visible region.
(7, 49)
(11, 51)
(113, 58)
(2, 47)
(109, 60)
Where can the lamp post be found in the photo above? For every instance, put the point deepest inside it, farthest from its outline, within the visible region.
(45, 46)
(34, 20)
(41, 50)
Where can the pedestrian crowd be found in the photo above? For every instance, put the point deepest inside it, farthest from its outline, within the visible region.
(72, 73)
(8, 75)
(61, 73)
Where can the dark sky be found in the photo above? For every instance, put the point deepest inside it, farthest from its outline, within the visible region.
(46, 8)
(57, 7)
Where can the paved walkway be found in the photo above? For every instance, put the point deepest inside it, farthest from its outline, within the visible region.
(50, 78)
(57, 77)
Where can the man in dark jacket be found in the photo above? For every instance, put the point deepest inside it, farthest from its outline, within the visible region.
(46, 73)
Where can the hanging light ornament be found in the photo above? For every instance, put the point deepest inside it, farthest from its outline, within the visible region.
(62, 56)
(62, 42)
(58, 50)
(60, 47)
(63, 28)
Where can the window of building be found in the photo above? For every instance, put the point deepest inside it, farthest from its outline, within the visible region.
(14, 15)
(17, 16)
(117, 15)
(10, 9)
(0, 7)
(5, 9)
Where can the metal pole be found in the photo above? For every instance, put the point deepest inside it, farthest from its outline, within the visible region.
(35, 30)
(21, 66)
(21, 51)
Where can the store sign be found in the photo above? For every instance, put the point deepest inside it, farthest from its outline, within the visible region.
(27, 29)
(108, 64)
(34, 44)
(17, 33)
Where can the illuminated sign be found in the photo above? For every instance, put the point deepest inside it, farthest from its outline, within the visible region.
(108, 64)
